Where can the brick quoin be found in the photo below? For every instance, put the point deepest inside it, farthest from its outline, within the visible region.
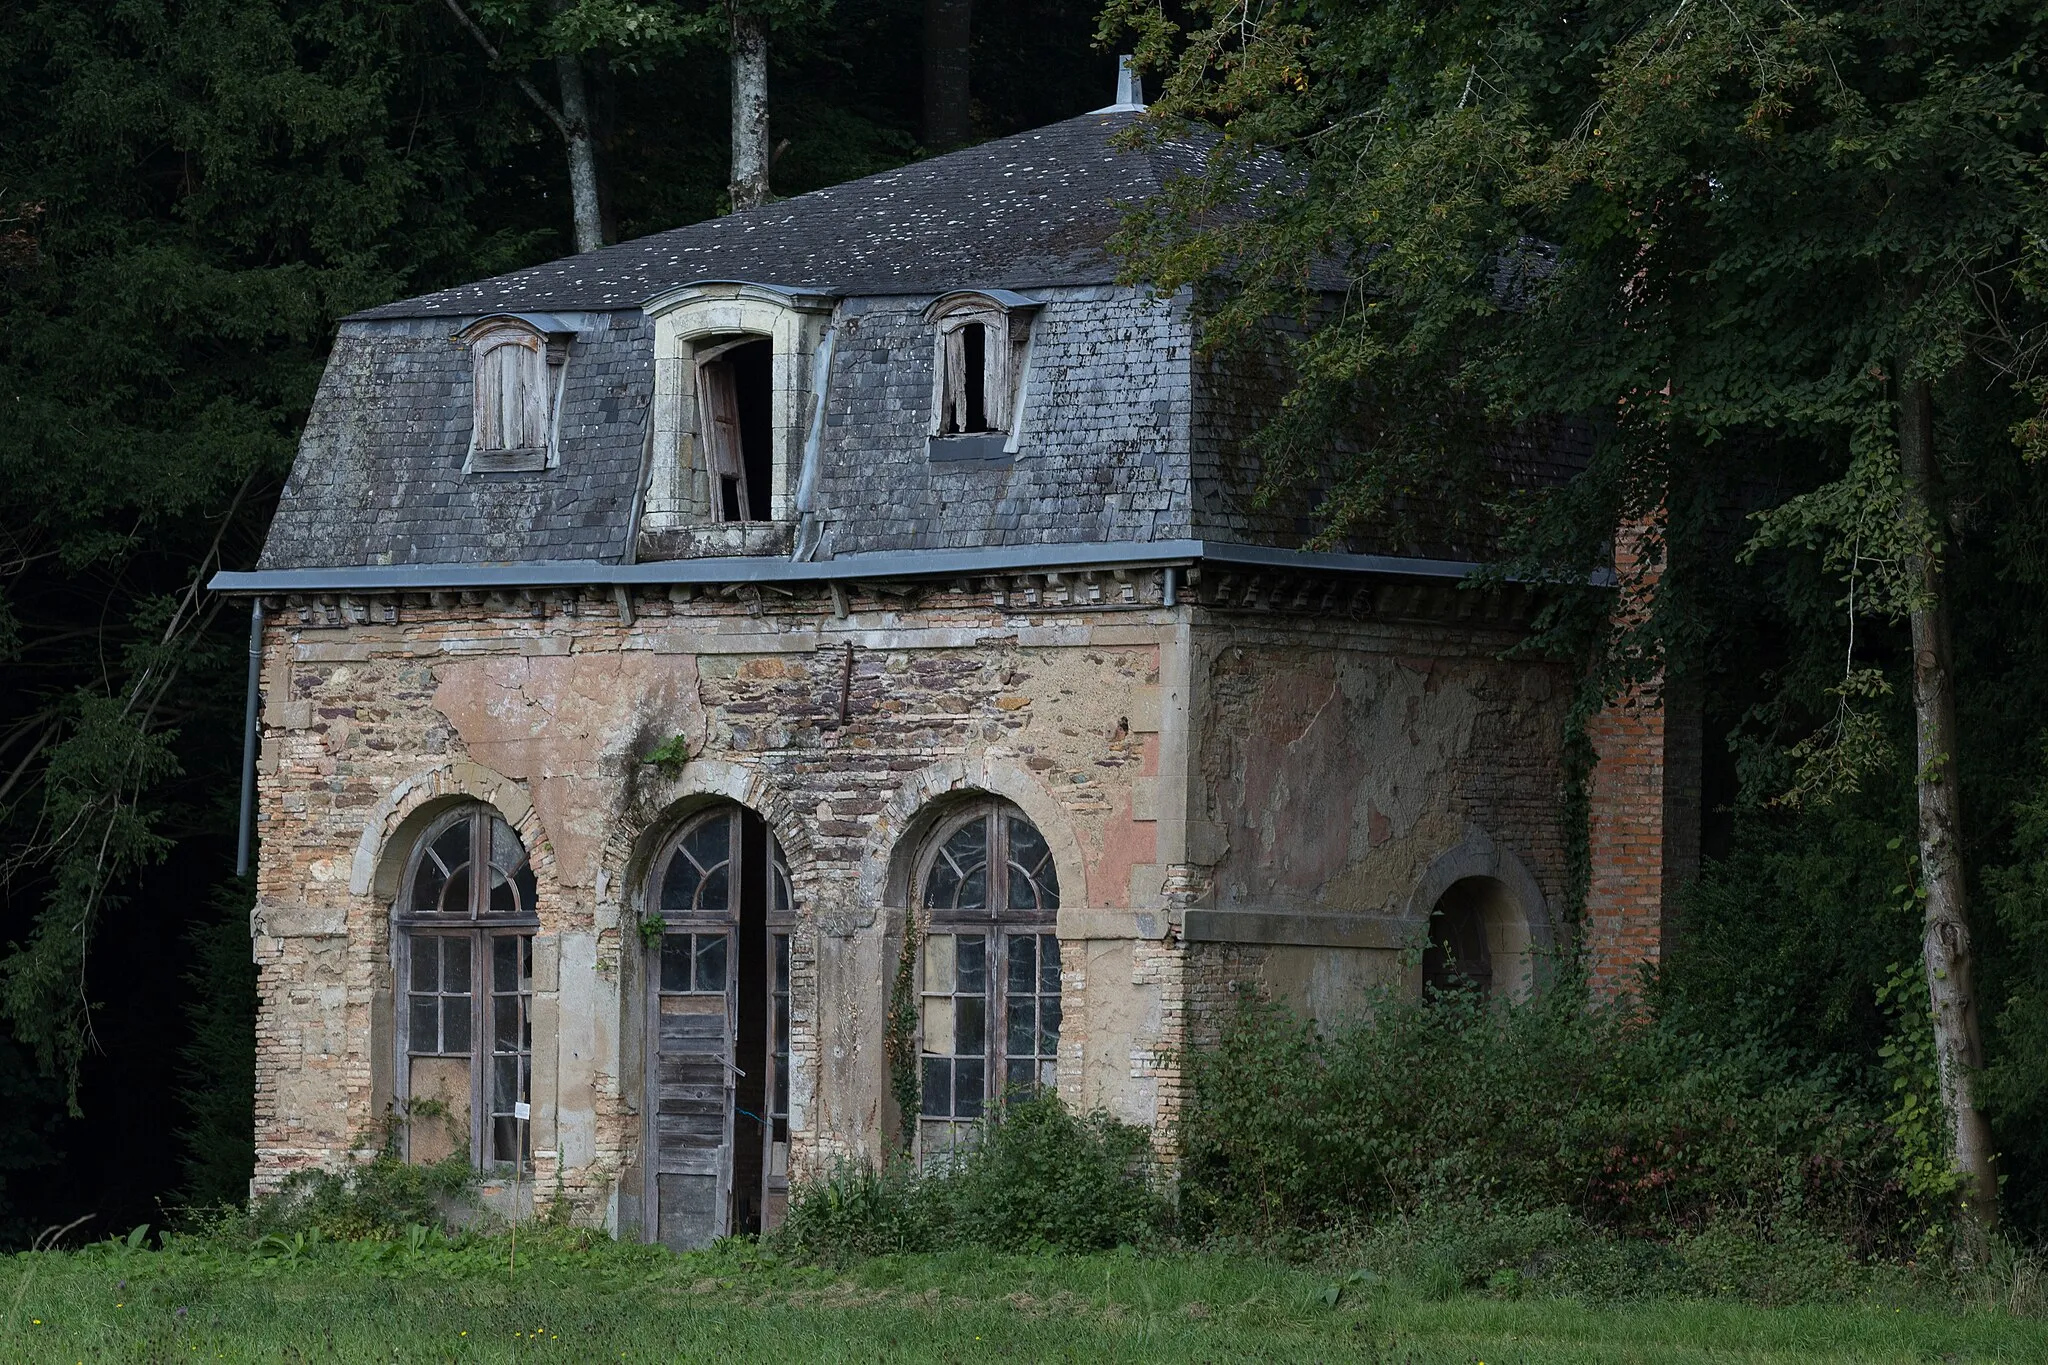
(1642, 824)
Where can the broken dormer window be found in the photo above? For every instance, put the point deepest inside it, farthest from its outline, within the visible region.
(516, 366)
(735, 394)
(980, 367)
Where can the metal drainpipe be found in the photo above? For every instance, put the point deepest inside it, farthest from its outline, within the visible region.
(249, 738)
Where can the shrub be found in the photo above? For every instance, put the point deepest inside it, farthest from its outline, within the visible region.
(856, 1210)
(1036, 1177)
(1042, 1177)
(1620, 1121)
(378, 1199)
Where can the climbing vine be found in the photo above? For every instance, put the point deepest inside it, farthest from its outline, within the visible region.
(899, 1044)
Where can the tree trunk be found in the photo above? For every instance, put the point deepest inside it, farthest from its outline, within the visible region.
(1958, 1051)
(582, 153)
(749, 110)
(948, 35)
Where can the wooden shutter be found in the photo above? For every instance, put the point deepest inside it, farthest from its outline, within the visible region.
(723, 454)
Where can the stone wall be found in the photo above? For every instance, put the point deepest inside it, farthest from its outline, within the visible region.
(543, 705)
(1302, 773)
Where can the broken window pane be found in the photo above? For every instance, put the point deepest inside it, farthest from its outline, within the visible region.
(938, 1087)
(454, 1023)
(972, 965)
(710, 962)
(967, 1087)
(675, 962)
(969, 1024)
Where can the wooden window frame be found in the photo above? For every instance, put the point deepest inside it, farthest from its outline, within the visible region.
(543, 367)
(483, 929)
(998, 926)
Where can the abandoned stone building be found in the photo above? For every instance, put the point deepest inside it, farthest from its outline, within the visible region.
(672, 655)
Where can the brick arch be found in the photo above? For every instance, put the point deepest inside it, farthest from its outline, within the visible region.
(385, 845)
(661, 804)
(893, 847)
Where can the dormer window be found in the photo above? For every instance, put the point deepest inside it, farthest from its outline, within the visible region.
(739, 376)
(735, 396)
(516, 368)
(979, 372)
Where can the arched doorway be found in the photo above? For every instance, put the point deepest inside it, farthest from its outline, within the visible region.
(1459, 957)
(1479, 939)
(718, 1030)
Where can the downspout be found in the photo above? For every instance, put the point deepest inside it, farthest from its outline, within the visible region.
(249, 710)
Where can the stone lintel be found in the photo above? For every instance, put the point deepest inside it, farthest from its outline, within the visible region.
(1077, 924)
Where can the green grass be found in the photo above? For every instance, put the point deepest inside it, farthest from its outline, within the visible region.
(432, 1302)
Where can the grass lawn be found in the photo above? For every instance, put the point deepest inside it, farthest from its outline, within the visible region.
(426, 1302)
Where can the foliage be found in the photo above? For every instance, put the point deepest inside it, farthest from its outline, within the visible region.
(899, 1040)
(669, 756)
(373, 1200)
(1607, 1113)
(1765, 235)
(219, 1058)
(1040, 1177)
(1035, 1177)
(859, 1210)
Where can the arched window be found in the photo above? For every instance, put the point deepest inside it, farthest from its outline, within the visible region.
(990, 969)
(718, 1025)
(466, 922)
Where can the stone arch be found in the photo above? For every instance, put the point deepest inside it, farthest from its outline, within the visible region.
(1517, 914)
(921, 802)
(660, 805)
(409, 807)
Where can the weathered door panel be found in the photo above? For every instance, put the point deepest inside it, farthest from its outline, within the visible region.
(693, 1074)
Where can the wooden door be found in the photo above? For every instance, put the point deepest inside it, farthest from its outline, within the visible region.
(693, 1079)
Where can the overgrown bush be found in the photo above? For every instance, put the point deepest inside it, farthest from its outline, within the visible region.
(376, 1199)
(1036, 1176)
(1624, 1123)
(856, 1210)
(1041, 1176)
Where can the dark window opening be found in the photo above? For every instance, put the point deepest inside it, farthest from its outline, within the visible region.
(974, 348)
(1458, 956)
(738, 430)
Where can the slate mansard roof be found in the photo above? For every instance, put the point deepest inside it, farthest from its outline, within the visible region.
(1125, 455)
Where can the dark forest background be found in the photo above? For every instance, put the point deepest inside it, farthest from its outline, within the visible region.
(193, 191)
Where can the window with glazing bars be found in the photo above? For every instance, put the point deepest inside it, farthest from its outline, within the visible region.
(989, 970)
(466, 921)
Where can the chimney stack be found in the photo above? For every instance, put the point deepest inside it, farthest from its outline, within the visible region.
(1130, 87)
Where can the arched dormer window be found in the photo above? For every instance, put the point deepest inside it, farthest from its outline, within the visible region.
(990, 970)
(739, 376)
(516, 367)
(979, 368)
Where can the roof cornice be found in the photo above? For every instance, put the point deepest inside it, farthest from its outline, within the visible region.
(869, 566)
